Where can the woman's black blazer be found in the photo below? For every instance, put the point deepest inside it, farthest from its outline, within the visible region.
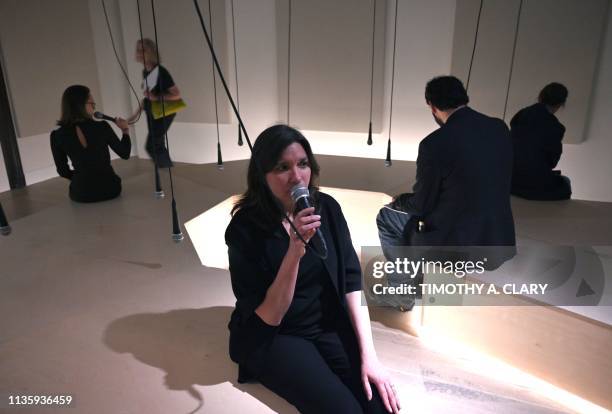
(255, 255)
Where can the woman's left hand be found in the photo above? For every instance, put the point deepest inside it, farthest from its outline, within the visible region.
(150, 95)
(373, 372)
(123, 125)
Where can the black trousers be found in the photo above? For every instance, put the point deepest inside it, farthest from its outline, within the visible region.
(556, 187)
(91, 187)
(156, 141)
(317, 375)
(391, 225)
(392, 222)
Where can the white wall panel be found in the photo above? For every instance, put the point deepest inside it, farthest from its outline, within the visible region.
(558, 40)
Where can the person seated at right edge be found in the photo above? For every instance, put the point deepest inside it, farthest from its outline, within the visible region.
(537, 137)
(462, 192)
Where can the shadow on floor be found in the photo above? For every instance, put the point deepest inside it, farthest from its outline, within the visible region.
(190, 345)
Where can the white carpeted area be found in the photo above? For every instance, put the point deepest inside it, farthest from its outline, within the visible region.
(97, 302)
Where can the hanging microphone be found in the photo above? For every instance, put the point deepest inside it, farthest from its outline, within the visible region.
(301, 197)
(159, 193)
(240, 143)
(100, 115)
(370, 134)
(5, 229)
(219, 158)
(388, 162)
(177, 234)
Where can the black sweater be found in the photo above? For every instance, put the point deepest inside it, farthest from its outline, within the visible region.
(255, 257)
(94, 158)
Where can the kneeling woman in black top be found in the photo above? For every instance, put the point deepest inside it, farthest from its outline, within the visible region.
(299, 327)
(86, 143)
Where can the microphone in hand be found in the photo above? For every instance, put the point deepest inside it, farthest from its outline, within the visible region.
(301, 199)
(120, 122)
(100, 115)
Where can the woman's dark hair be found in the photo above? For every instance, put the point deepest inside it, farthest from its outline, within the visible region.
(267, 151)
(74, 100)
(553, 94)
(446, 92)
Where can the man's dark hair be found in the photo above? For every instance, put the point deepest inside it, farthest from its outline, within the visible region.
(74, 100)
(267, 151)
(553, 94)
(445, 92)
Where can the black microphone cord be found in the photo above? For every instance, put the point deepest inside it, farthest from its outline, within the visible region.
(110, 33)
(212, 39)
(388, 162)
(177, 234)
(5, 228)
(467, 84)
(221, 77)
(516, 32)
(246, 135)
(369, 142)
(240, 143)
(159, 192)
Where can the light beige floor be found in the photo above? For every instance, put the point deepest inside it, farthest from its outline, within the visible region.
(99, 303)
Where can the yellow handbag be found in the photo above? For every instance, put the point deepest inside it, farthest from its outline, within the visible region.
(170, 107)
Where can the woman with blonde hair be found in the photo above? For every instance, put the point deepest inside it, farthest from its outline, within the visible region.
(157, 85)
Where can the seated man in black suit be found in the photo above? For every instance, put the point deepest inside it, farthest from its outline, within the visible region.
(536, 136)
(462, 192)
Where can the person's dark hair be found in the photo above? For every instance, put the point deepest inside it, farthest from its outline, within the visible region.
(267, 151)
(553, 94)
(74, 100)
(445, 92)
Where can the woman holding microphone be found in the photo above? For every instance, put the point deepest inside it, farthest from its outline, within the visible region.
(299, 327)
(85, 142)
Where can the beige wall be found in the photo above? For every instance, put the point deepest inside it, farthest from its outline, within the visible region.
(46, 46)
(114, 90)
(493, 54)
(588, 164)
(330, 73)
(558, 41)
(424, 49)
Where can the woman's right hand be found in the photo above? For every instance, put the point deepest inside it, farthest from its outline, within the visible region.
(306, 224)
(123, 125)
(280, 293)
